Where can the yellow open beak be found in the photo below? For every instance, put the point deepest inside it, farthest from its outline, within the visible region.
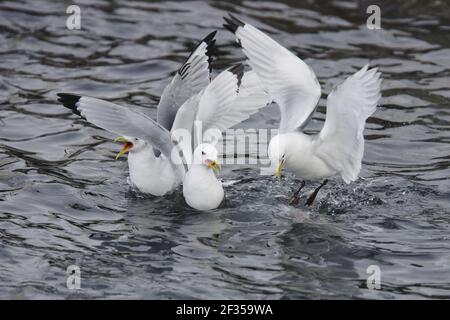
(214, 164)
(120, 139)
(279, 170)
(127, 146)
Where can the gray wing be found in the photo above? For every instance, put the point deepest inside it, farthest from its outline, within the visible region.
(290, 82)
(190, 79)
(218, 97)
(341, 141)
(122, 121)
(232, 97)
(183, 126)
(222, 110)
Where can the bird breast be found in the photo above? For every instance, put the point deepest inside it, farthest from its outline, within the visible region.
(201, 189)
(150, 174)
(301, 158)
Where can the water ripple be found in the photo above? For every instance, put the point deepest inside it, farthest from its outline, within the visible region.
(64, 200)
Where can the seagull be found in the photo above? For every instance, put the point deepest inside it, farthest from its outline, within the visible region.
(149, 171)
(201, 188)
(338, 148)
(232, 97)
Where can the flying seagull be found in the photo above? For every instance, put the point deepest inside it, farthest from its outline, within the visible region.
(338, 148)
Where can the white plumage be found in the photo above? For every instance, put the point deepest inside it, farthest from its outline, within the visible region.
(155, 164)
(292, 84)
(289, 81)
(341, 141)
(201, 189)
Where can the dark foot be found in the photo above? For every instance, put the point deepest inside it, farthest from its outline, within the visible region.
(311, 199)
(295, 198)
(313, 196)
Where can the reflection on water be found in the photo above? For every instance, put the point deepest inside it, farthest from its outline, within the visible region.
(64, 200)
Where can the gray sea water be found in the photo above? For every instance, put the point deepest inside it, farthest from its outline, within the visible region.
(65, 201)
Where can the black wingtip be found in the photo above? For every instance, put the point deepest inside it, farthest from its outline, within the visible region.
(210, 49)
(183, 71)
(69, 101)
(232, 23)
(238, 70)
(210, 37)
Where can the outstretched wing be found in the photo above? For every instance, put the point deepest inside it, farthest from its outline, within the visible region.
(183, 126)
(218, 97)
(341, 141)
(191, 78)
(250, 99)
(231, 98)
(122, 121)
(290, 82)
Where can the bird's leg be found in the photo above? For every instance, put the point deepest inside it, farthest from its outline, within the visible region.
(313, 196)
(295, 198)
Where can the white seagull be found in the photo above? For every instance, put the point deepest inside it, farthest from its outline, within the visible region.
(228, 100)
(149, 170)
(338, 148)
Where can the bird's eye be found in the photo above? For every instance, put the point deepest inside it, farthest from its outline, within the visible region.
(203, 153)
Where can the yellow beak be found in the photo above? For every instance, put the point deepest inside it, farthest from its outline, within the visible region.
(120, 139)
(279, 170)
(214, 164)
(127, 146)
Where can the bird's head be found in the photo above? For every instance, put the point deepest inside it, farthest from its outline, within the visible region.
(130, 144)
(277, 154)
(206, 154)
